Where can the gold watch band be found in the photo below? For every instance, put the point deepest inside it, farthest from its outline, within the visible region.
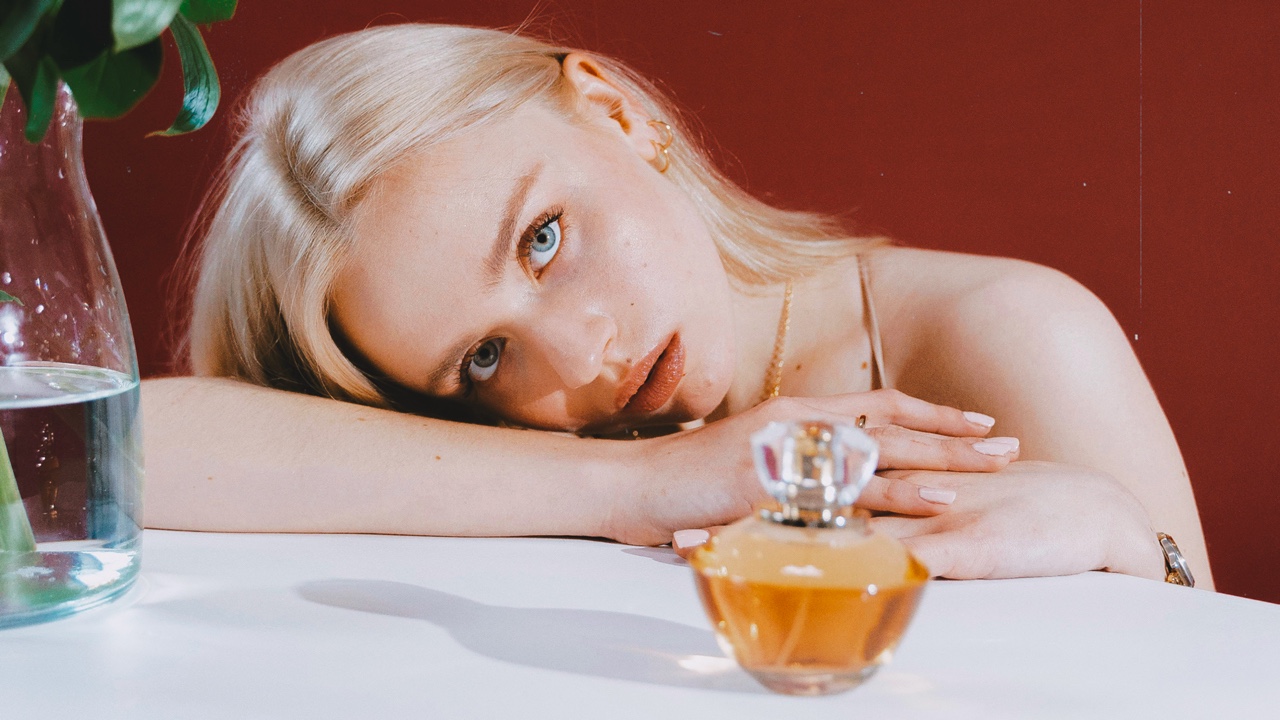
(1175, 566)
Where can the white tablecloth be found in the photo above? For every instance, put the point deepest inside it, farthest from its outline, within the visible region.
(241, 627)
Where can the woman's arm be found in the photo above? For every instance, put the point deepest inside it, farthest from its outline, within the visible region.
(1037, 350)
(224, 455)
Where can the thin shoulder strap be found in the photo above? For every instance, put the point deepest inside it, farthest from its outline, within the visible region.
(878, 379)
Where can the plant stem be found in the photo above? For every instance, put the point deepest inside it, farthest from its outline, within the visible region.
(15, 529)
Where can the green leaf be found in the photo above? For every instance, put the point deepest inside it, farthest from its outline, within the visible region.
(26, 62)
(40, 99)
(111, 85)
(4, 84)
(80, 33)
(138, 22)
(17, 21)
(4, 296)
(201, 91)
(204, 12)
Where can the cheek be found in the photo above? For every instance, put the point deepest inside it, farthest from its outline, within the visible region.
(650, 252)
(662, 258)
(549, 412)
(528, 394)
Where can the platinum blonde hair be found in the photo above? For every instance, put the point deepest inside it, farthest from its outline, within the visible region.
(323, 124)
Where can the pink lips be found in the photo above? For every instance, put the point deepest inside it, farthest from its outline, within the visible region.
(653, 380)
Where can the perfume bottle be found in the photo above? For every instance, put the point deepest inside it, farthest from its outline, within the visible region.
(803, 594)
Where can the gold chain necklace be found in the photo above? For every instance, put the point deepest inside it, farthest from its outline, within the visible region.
(773, 375)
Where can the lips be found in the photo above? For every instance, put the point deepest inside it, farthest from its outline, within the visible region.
(653, 380)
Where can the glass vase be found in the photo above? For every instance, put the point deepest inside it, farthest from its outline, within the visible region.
(71, 457)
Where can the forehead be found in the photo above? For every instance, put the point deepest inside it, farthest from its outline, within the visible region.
(447, 199)
(466, 178)
(464, 183)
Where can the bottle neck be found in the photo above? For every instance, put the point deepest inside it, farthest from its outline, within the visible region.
(830, 516)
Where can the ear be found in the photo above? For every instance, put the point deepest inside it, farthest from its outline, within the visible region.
(608, 104)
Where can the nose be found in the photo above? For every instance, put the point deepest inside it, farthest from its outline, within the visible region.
(574, 347)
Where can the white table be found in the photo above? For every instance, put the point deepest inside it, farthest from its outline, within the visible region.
(241, 627)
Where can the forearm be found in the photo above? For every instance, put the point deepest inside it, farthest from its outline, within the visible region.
(228, 456)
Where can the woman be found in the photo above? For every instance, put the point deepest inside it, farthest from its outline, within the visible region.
(479, 225)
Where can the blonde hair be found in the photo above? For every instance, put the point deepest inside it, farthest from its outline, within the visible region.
(323, 124)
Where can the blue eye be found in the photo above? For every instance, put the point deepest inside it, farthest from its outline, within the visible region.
(543, 245)
(483, 362)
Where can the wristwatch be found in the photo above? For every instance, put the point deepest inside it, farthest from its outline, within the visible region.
(1175, 566)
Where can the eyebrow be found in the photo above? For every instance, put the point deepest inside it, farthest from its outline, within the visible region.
(501, 252)
(494, 265)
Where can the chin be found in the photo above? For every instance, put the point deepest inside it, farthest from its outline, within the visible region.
(697, 400)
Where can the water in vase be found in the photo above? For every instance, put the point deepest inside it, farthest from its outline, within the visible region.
(72, 436)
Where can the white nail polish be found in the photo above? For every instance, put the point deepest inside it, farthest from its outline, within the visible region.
(980, 419)
(940, 497)
(689, 538)
(1010, 441)
(992, 448)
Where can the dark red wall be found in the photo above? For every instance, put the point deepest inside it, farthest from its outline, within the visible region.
(1132, 145)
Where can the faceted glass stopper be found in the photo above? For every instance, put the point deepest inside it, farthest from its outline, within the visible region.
(813, 466)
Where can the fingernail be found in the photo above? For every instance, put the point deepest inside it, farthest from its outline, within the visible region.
(1011, 442)
(689, 538)
(992, 448)
(980, 419)
(934, 495)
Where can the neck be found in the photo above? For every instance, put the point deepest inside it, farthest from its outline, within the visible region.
(756, 310)
(825, 346)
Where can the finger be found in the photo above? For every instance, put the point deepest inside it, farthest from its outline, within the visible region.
(910, 449)
(945, 557)
(893, 407)
(1012, 442)
(884, 494)
(684, 542)
(902, 527)
(881, 408)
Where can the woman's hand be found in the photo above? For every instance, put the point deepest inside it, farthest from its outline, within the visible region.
(1029, 519)
(705, 477)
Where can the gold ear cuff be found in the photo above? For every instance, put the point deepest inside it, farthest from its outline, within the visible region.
(661, 159)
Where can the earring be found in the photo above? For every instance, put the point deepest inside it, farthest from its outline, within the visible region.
(660, 148)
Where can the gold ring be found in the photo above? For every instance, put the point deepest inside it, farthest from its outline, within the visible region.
(862, 421)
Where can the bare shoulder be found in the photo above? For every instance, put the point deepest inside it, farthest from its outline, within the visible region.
(958, 321)
(914, 275)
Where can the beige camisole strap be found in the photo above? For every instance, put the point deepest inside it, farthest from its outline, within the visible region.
(878, 379)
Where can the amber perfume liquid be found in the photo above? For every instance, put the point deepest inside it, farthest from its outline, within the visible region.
(808, 611)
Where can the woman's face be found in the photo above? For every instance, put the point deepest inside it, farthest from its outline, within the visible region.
(543, 269)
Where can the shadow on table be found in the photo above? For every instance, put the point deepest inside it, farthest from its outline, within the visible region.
(664, 555)
(613, 645)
